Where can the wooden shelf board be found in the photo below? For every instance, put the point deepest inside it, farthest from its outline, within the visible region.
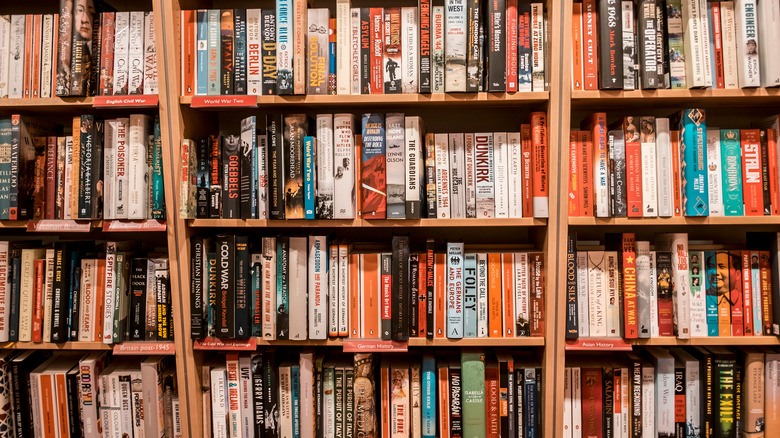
(466, 99)
(718, 97)
(56, 346)
(714, 340)
(711, 220)
(520, 222)
(307, 343)
(46, 102)
(536, 341)
(367, 223)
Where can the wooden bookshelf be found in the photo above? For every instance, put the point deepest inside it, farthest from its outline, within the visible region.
(695, 97)
(365, 223)
(80, 345)
(676, 221)
(715, 340)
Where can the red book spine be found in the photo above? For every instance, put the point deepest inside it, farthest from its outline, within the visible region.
(585, 142)
(675, 137)
(511, 46)
(37, 320)
(574, 199)
(634, 178)
(359, 176)
(50, 202)
(377, 51)
(107, 54)
(188, 52)
(525, 144)
(537, 293)
(774, 190)
(592, 402)
(35, 86)
(630, 322)
(589, 45)
(735, 297)
(766, 291)
(752, 190)
(716, 34)
(28, 55)
(492, 422)
(576, 46)
(748, 295)
(539, 148)
(422, 296)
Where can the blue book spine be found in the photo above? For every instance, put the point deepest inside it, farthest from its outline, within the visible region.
(470, 296)
(5, 167)
(15, 282)
(202, 41)
(530, 398)
(713, 66)
(332, 60)
(755, 275)
(429, 397)
(309, 177)
(712, 293)
(455, 290)
(213, 66)
(295, 384)
(693, 149)
(731, 158)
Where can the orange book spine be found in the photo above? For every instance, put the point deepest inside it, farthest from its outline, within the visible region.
(634, 178)
(525, 145)
(28, 54)
(752, 189)
(748, 295)
(37, 321)
(585, 156)
(354, 295)
(536, 270)
(358, 172)
(774, 190)
(48, 407)
(62, 404)
(508, 267)
(576, 47)
(422, 297)
(574, 198)
(540, 177)
(675, 137)
(369, 320)
(384, 391)
(35, 83)
(188, 52)
(444, 401)
(494, 295)
(100, 304)
(439, 293)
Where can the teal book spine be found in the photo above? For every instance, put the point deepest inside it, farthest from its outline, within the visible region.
(470, 296)
(693, 150)
(158, 186)
(429, 397)
(295, 384)
(309, 176)
(731, 158)
(202, 42)
(473, 394)
(455, 290)
(712, 293)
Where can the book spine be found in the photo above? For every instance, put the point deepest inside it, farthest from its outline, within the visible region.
(500, 172)
(693, 154)
(751, 172)
(442, 175)
(413, 165)
(765, 164)
(430, 176)
(666, 163)
(649, 172)
(437, 48)
(590, 45)
(410, 48)
(540, 177)
(456, 28)
(318, 288)
(150, 56)
(239, 51)
(610, 44)
(424, 53)
(485, 176)
(747, 41)
(344, 159)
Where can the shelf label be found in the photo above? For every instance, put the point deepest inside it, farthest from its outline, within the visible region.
(128, 225)
(60, 226)
(137, 101)
(138, 348)
(223, 101)
(226, 344)
(374, 346)
(598, 344)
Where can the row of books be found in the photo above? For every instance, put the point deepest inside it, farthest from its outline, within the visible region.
(72, 394)
(385, 172)
(72, 291)
(109, 169)
(439, 46)
(714, 392)
(677, 44)
(337, 290)
(314, 394)
(661, 167)
(631, 291)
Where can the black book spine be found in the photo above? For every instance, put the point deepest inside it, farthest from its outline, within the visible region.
(414, 292)
(137, 300)
(707, 405)
(258, 387)
(15, 282)
(72, 385)
(275, 168)
(386, 271)
(611, 137)
(319, 408)
(215, 172)
(202, 194)
(96, 203)
(227, 66)
(430, 176)
(247, 156)
(75, 299)
(20, 381)
(519, 404)
(723, 377)
(226, 286)
(739, 422)
(95, 57)
(424, 7)
(538, 401)
(679, 394)
(474, 46)
(270, 394)
(59, 326)
(196, 292)
(765, 172)
(611, 45)
(496, 56)
(608, 384)
(85, 166)
(282, 287)
(164, 325)
(269, 50)
(243, 317)
(572, 330)
(231, 173)
(400, 284)
(365, 50)
(239, 53)
(503, 382)
(648, 63)
(664, 79)
(456, 412)
(429, 286)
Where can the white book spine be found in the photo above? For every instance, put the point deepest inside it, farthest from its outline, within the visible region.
(5, 292)
(485, 176)
(663, 145)
(325, 180)
(598, 296)
(601, 178)
(415, 164)
(442, 176)
(343, 294)
(501, 172)
(254, 64)
(699, 300)
(126, 402)
(109, 169)
(318, 287)
(515, 175)
(121, 52)
(354, 51)
(410, 50)
(583, 312)
(714, 175)
(654, 328)
(455, 45)
(692, 392)
(297, 280)
(395, 159)
(47, 56)
(122, 185)
(108, 297)
(219, 412)
(136, 53)
(455, 290)
(482, 295)
(285, 425)
(457, 171)
(138, 169)
(567, 401)
(333, 290)
(694, 43)
(643, 287)
(150, 55)
(576, 407)
(247, 402)
(344, 166)
(48, 295)
(768, 30)
(470, 176)
(648, 401)
(306, 363)
(649, 187)
(16, 54)
(522, 289)
(399, 404)
(664, 400)
(5, 48)
(729, 45)
(269, 287)
(437, 48)
(613, 292)
(748, 69)
(537, 46)
(233, 397)
(704, 14)
(343, 44)
(261, 155)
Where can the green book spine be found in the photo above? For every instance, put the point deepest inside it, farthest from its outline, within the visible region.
(473, 394)
(158, 188)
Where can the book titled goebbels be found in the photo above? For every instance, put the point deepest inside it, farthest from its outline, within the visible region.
(496, 54)
(239, 51)
(318, 64)
(374, 167)
(227, 63)
(231, 174)
(248, 146)
(611, 44)
(225, 310)
(456, 27)
(646, 19)
(396, 168)
(296, 127)
(268, 52)
(392, 50)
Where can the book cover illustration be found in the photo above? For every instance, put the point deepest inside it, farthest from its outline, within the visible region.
(373, 172)
(392, 63)
(365, 396)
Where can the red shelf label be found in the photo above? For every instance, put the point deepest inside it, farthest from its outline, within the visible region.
(598, 344)
(226, 344)
(136, 101)
(59, 226)
(137, 348)
(127, 225)
(374, 346)
(223, 101)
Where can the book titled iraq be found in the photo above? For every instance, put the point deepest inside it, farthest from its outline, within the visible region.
(295, 129)
(611, 44)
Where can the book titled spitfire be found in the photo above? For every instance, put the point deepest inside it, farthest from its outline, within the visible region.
(693, 152)
(373, 172)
